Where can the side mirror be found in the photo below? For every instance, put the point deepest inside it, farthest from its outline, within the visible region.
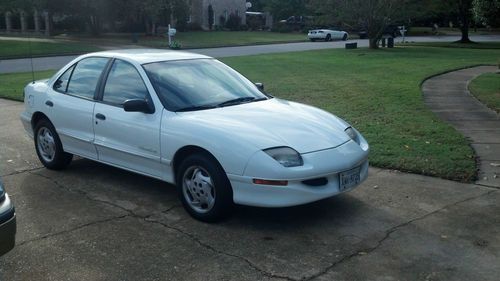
(138, 106)
(260, 86)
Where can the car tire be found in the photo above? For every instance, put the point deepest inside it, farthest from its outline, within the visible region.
(204, 189)
(49, 148)
(344, 38)
(312, 40)
(328, 38)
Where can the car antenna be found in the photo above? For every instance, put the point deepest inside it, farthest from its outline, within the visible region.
(31, 61)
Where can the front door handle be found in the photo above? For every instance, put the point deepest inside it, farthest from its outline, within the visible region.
(49, 103)
(100, 116)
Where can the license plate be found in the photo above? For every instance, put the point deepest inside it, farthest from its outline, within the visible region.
(349, 179)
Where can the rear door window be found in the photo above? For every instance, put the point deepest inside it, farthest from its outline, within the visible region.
(85, 76)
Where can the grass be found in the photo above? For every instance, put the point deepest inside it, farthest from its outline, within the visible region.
(202, 39)
(486, 88)
(378, 92)
(473, 45)
(12, 84)
(199, 39)
(20, 49)
(426, 31)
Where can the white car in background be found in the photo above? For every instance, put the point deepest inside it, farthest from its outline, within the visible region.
(192, 121)
(327, 35)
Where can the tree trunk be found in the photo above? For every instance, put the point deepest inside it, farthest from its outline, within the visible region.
(36, 19)
(465, 15)
(373, 43)
(8, 22)
(22, 19)
(465, 34)
(48, 23)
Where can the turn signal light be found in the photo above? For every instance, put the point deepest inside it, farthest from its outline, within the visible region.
(269, 182)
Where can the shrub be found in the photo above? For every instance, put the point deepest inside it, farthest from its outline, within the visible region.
(282, 27)
(233, 22)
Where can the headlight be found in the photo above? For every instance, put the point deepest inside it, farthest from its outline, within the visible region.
(352, 134)
(286, 156)
(2, 192)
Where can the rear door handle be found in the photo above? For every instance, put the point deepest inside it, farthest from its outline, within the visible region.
(49, 103)
(100, 116)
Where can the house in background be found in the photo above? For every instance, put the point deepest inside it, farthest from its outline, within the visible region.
(221, 9)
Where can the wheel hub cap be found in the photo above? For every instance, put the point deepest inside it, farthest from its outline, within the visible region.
(198, 189)
(46, 144)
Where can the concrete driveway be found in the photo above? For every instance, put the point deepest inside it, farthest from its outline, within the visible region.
(94, 222)
(48, 63)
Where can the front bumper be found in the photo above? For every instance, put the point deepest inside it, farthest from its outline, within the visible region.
(7, 225)
(327, 164)
(26, 121)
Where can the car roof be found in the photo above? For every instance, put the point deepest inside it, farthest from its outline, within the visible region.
(143, 56)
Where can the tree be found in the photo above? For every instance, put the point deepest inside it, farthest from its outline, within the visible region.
(464, 15)
(210, 17)
(372, 16)
(487, 12)
(282, 9)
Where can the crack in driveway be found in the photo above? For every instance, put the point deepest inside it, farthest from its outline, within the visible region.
(148, 218)
(22, 171)
(367, 251)
(53, 234)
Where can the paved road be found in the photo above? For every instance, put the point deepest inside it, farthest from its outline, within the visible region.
(94, 222)
(24, 65)
(448, 96)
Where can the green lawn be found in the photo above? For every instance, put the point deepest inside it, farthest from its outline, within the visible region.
(376, 91)
(18, 49)
(224, 38)
(199, 39)
(426, 31)
(487, 89)
(479, 45)
(379, 93)
(12, 85)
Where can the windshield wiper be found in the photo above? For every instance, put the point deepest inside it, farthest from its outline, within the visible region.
(239, 101)
(194, 108)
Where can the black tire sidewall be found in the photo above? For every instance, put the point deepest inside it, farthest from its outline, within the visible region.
(328, 38)
(223, 191)
(61, 159)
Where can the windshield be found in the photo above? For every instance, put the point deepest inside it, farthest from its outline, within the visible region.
(186, 85)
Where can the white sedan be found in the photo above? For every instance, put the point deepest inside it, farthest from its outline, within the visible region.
(190, 120)
(327, 35)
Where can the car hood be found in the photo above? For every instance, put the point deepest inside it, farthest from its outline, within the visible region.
(273, 123)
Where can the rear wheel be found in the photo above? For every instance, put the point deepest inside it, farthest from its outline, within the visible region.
(328, 38)
(312, 40)
(344, 38)
(204, 188)
(49, 147)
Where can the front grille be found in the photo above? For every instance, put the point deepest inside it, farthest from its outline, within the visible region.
(316, 182)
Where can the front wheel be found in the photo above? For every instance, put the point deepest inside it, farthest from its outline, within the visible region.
(49, 147)
(204, 188)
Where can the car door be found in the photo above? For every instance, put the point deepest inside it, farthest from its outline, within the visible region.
(129, 140)
(71, 105)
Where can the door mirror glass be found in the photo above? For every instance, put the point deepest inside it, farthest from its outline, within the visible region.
(260, 86)
(138, 106)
